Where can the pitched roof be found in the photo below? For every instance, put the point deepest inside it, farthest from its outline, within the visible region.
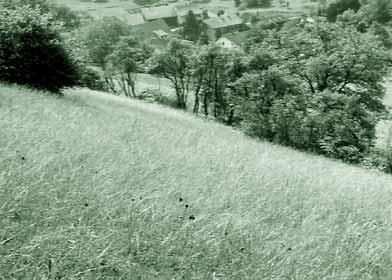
(237, 37)
(146, 30)
(158, 12)
(117, 12)
(160, 33)
(183, 11)
(136, 19)
(223, 21)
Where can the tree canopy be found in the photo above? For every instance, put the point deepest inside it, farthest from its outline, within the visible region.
(32, 51)
(316, 86)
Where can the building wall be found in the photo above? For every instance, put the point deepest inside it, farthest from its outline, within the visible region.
(211, 34)
(215, 34)
(226, 43)
(172, 21)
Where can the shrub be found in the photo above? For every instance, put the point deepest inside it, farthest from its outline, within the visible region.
(32, 51)
(91, 79)
(338, 7)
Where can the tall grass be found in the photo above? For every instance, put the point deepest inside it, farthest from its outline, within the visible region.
(94, 186)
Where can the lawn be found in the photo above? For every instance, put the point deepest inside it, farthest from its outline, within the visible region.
(94, 186)
(81, 6)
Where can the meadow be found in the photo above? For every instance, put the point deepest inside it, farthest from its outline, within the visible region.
(94, 186)
(80, 6)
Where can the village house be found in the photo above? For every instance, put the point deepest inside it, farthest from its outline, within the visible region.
(233, 41)
(117, 12)
(220, 25)
(136, 19)
(156, 33)
(165, 13)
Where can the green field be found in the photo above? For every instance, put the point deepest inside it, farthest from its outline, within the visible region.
(88, 6)
(94, 186)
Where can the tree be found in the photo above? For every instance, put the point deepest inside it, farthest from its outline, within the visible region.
(192, 27)
(61, 13)
(42, 4)
(64, 14)
(214, 69)
(174, 64)
(101, 36)
(379, 11)
(32, 52)
(316, 87)
(258, 3)
(124, 63)
(339, 7)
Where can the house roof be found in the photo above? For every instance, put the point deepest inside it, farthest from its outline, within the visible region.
(146, 30)
(237, 37)
(160, 33)
(158, 12)
(223, 21)
(136, 19)
(183, 11)
(117, 12)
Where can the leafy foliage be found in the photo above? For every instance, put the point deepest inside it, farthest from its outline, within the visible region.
(214, 69)
(62, 13)
(32, 51)
(192, 27)
(379, 11)
(174, 64)
(338, 7)
(101, 36)
(124, 63)
(258, 3)
(316, 87)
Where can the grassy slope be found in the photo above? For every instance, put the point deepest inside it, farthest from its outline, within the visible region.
(90, 188)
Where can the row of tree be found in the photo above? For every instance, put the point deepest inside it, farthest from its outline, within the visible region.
(313, 86)
(369, 10)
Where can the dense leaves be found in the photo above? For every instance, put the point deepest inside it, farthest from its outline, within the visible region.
(123, 64)
(192, 27)
(316, 86)
(101, 36)
(258, 3)
(338, 7)
(174, 64)
(32, 51)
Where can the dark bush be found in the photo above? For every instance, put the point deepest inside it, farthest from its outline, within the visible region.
(91, 79)
(32, 51)
(338, 7)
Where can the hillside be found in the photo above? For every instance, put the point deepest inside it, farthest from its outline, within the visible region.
(94, 186)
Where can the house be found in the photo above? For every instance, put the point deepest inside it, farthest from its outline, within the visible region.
(160, 34)
(165, 13)
(147, 30)
(233, 40)
(218, 26)
(156, 33)
(117, 12)
(136, 19)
